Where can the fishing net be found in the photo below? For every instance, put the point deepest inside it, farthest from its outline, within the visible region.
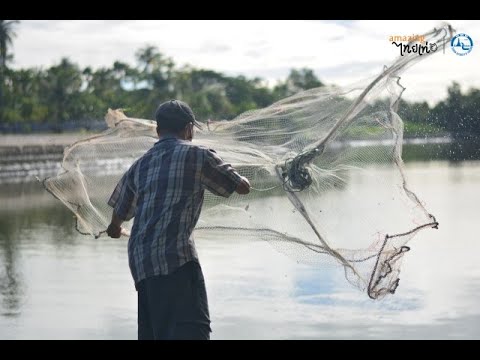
(325, 167)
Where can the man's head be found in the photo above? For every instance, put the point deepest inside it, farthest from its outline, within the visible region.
(177, 118)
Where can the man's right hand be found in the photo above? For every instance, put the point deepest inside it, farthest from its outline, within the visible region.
(114, 231)
(243, 187)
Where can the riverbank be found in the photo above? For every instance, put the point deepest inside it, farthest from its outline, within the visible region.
(25, 158)
(35, 147)
(41, 139)
(28, 156)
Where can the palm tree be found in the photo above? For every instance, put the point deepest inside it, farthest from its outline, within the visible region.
(6, 36)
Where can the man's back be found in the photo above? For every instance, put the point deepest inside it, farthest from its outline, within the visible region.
(164, 191)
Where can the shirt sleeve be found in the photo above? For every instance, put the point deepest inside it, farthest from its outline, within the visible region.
(124, 198)
(217, 176)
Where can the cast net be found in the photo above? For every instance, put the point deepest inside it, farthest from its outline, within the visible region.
(325, 166)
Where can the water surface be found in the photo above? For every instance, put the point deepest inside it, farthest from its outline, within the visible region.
(58, 284)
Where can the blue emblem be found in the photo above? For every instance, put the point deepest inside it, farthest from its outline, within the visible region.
(461, 44)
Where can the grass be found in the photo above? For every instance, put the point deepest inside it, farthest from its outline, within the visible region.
(412, 129)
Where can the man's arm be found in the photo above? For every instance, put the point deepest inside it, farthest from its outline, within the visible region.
(221, 178)
(124, 203)
(114, 230)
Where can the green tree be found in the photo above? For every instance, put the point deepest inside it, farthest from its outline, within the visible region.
(22, 101)
(297, 80)
(155, 75)
(61, 91)
(7, 34)
(459, 113)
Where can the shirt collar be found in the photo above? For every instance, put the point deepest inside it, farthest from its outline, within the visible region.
(167, 137)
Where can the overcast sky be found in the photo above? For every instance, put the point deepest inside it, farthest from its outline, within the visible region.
(340, 52)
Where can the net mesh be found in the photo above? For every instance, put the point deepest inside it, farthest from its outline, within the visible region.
(314, 160)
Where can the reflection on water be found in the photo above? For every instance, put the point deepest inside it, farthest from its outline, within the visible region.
(455, 151)
(56, 283)
(11, 288)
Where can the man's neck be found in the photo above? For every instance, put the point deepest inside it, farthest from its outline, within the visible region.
(169, 136)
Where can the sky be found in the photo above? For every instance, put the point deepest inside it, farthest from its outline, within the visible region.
(340, 52)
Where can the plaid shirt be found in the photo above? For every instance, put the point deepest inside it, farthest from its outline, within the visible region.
(164, 191)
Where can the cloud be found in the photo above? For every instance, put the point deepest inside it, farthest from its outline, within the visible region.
(340, 52)
(213, 48)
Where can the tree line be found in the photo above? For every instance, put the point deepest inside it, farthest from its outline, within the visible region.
(66, 96)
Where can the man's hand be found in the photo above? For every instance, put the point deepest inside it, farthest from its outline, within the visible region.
(114, 231)
(243, 187)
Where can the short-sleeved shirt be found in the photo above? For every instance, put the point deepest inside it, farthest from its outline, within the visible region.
(163, 191)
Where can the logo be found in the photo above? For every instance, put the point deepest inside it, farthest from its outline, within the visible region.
(461, 44)
(412, 44)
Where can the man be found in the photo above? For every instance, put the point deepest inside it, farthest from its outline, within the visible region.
(164, 191)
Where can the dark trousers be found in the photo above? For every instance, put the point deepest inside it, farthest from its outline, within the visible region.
(174, 306)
